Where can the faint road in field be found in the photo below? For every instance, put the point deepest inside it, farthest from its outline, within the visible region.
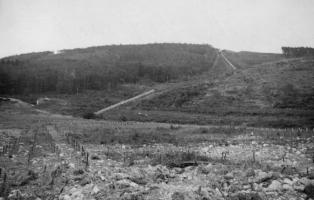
(227, 61)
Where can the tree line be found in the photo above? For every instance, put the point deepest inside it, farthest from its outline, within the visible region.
(297, 51)
(101, 68)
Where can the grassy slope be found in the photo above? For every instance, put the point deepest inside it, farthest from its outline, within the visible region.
(266, 90)
(276, 94)
(245, 59)
(102, 68)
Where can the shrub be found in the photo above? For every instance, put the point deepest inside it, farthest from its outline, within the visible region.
(89, 115)
(123, 118)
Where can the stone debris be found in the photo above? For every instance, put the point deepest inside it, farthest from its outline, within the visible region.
(278, 171)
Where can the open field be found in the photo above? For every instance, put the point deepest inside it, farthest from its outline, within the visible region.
(48, 156)
(210, 130)
(275, 94)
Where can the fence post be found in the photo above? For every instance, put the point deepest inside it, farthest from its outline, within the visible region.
(87, 161)
(82, 151)
(4, 185)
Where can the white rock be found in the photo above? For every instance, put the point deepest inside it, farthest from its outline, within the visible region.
(288, 181)
(274, 186)
(261, 176)
(256, 187)
(127, 183)
(246, 187)
(120, 176)
(225, 186)
(102, 177)
(229, 176)
(287, 187)
(77, 195)
(218, 192)
(305, 181)
(65, 197)
(299, 188)
(72, 165)
(95, 190)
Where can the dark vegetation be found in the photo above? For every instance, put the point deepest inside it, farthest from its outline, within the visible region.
(174, 99)
(192, 85)
(100, 68)
(245, 59)
(292, 52)
(131, 137)
(260, 118)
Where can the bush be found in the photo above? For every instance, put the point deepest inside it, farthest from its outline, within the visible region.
(123, 118)
(89, 115)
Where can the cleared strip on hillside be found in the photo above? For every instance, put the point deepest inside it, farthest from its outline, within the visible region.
(229, 63)
(124, 102)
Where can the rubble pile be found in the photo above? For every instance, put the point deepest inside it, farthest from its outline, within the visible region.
(255, 169)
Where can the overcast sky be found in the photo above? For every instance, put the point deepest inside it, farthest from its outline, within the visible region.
(253, 25)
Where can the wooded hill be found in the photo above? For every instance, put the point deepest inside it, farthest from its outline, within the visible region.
(107, 67)
(102, 67)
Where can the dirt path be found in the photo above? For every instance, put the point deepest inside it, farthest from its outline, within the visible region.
(227, 61)
(125, 102)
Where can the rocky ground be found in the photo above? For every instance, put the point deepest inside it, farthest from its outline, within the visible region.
(46, 162)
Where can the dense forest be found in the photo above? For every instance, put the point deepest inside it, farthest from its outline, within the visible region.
(297, 51)
(103, 67)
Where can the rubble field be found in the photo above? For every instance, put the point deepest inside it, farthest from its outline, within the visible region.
(55, 158)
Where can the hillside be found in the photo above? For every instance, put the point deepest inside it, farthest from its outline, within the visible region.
(100, 68)
(193, 84)
(107, 67)
(276, 94)
(245, 59)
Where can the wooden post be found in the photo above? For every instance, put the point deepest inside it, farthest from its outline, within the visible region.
(5, 149)
(30, 155)
(4, 185)
(87, 161)
(18, 145)
(307, 170)
(82, 151)
(160, 158)
(74, 145)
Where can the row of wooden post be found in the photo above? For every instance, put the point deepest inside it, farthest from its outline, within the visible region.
(10, 148)
(7, 150)
(5, 186)
(78, 147)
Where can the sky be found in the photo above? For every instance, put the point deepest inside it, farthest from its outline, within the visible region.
(251, 25)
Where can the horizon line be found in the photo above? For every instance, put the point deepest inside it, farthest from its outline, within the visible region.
(134, 44)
